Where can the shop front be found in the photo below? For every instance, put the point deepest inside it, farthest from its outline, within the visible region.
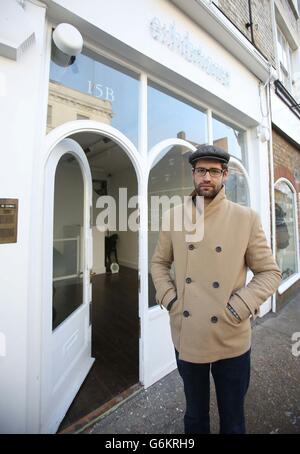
(116, 126)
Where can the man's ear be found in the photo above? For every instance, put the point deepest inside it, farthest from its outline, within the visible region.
(225, 175)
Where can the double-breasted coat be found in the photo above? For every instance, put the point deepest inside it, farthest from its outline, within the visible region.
(209, 274)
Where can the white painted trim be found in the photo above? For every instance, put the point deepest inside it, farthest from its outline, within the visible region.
(161, 373)
(156, 153)
(73, 127)
(288, 283)
(35, 264)
(265, 308)
(210, 134)
(143, 116)
(143, 233)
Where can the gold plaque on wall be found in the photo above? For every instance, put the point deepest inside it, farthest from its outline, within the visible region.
(8, 220)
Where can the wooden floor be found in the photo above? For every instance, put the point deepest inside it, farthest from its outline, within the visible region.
(115, 343)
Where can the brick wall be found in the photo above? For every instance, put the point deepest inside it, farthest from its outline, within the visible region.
(286, 160)
(238, 12)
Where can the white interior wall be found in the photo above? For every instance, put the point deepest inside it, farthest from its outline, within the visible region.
(127, 245)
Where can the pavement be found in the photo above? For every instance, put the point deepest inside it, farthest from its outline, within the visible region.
(272, 402)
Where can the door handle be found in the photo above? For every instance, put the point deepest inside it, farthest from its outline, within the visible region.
(92, 274)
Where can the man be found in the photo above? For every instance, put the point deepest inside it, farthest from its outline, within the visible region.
(209, 304)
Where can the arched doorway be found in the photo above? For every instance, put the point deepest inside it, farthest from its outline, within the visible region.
(109, 326)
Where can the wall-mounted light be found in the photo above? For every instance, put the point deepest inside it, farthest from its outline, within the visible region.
(67, 43)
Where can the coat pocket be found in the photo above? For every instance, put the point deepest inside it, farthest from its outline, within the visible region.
(171, 304)
(231, 317)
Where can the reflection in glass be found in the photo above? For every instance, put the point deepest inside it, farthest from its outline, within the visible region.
(237, 189)
(230, 139)
(94, 88)
(169, 116)
(285, 230)
(171, 176)
(67, 239)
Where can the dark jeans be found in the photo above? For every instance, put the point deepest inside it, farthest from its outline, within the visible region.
(231, 377)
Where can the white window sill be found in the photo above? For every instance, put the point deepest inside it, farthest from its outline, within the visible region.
(288, 283)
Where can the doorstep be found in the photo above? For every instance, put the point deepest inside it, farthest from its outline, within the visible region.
(83, 424)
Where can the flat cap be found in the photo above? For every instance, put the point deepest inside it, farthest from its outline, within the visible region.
(209, 152)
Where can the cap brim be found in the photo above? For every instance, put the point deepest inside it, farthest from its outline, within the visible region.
(211, 158)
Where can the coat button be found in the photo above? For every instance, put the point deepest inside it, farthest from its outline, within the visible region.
(216, 285)
(255, 312)
(188, 280)
(186, 314)
(218, 249)
(191, 247)
(214, 319)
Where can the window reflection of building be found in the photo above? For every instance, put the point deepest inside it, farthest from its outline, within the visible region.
(67, 104)
(230, 138)
(101, 89)
(237, 189)
(285, 213)
(169, 115)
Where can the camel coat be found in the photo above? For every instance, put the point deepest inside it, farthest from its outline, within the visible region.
(208, 274)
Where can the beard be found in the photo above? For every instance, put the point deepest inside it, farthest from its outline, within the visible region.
(210, 191)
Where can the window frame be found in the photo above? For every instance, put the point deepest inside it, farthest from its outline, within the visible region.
(285, 69)
(287, 283)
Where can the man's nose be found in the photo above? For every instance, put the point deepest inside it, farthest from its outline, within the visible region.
(206, 177)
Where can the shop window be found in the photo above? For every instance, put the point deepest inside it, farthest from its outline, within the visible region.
(286, 225)
(229, 138)
(170, 116)
(97, 88)
(171, 178)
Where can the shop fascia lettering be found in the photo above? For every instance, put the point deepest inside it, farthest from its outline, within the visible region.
(180, 43)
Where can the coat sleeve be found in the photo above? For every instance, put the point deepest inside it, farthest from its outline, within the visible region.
(160, 269)
(267, 275)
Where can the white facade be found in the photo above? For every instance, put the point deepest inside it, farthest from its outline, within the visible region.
(111, 29)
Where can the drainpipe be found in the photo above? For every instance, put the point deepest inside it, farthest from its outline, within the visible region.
(250, 23)
(265, 92)
(271, 160)
(272, 188)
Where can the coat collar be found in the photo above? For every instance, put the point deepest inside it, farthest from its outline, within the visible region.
(190, 208)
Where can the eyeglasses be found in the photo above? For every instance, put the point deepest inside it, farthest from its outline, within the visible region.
(213, 172)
